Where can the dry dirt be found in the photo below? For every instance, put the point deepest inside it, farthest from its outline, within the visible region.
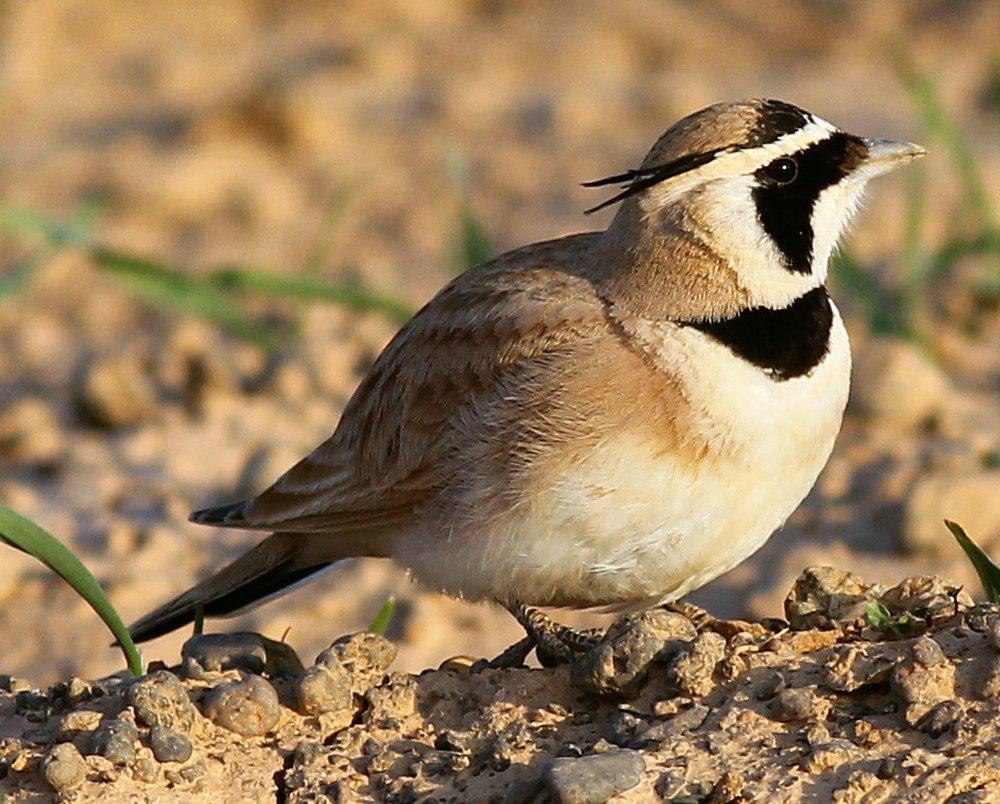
(822, 707)
(225, 132)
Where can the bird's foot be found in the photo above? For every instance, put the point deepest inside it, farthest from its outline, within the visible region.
(515, 655)
(554, 643)
(699, 618)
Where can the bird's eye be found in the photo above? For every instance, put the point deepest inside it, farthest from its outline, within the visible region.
(782, 171)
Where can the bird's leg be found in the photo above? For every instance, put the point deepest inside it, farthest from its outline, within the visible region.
(699, 618)
(554, 643)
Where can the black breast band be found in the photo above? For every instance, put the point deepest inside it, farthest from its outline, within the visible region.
(785, 343)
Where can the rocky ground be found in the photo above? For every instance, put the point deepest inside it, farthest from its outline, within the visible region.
(322, 140)
(670, 705)
(225, 133)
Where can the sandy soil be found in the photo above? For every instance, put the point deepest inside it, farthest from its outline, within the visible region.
(224, 132)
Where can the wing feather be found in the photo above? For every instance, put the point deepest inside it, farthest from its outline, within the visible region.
(384, 460)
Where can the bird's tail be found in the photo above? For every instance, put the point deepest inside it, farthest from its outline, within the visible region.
(276, 566)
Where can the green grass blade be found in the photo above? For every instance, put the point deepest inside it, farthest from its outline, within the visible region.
(878, 615)
(988, 572)
(208, 297)
(381, 622)
(943, 128)
(474, 247)
(171, 288)
(27, 222)
(38, 543)
(357, 297)
(157, 284)
(957, 248)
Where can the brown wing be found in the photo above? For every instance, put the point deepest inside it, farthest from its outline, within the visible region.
(383, 460)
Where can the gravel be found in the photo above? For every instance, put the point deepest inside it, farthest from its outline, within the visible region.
(823, 597)
(365, 656)
(793, 705)
(619, 665)
(324, 688)
(169, 745)
(160, 699)
(242, 650)
(63, 767)
(593, 779)
(248, 707)
(115, 740)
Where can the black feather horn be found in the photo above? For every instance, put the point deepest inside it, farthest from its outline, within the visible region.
(635, 181)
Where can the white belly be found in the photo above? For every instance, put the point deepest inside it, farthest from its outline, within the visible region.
(628, 526)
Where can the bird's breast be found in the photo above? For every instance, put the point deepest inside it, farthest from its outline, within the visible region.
(635, 518)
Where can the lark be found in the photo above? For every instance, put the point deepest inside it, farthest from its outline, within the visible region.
(607, 420)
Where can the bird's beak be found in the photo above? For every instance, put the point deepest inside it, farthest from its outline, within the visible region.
(886, 155)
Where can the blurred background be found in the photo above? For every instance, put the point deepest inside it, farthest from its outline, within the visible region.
(213, 215)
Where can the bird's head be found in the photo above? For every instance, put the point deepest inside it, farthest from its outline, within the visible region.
(761, 189)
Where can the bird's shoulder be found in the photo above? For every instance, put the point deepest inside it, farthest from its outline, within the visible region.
(493, 317)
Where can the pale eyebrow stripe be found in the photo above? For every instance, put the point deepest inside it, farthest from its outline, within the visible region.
(713, 164)
(735, 162)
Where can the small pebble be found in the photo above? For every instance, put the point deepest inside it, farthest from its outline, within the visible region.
(823, 597)
(669, 786)
(187, 775)
(993, 624)
(396, 698)
(77, 721)
(692, 669)
(890, 768)
(115, 740)
(365, 656)
(989, 682)
(593, 779)
(621, 726)
(830, 755)
(307, 751)
(460, 665)
(773, 683)
(160, 699)
(927, 652)
(619, 665)
(443, 762)
(792, 705)
(30, 432)
(324, 688)
(924, 679)
(684, 721)
(243, 650)
(63, 766)
(941, 718)
(248, 707)
(116, 392)
(853, 667)
(145, 770)
(169, 745)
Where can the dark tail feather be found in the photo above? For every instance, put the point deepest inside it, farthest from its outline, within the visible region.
(231, 515)
(273, 567)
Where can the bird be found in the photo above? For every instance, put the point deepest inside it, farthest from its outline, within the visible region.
(607, 420)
